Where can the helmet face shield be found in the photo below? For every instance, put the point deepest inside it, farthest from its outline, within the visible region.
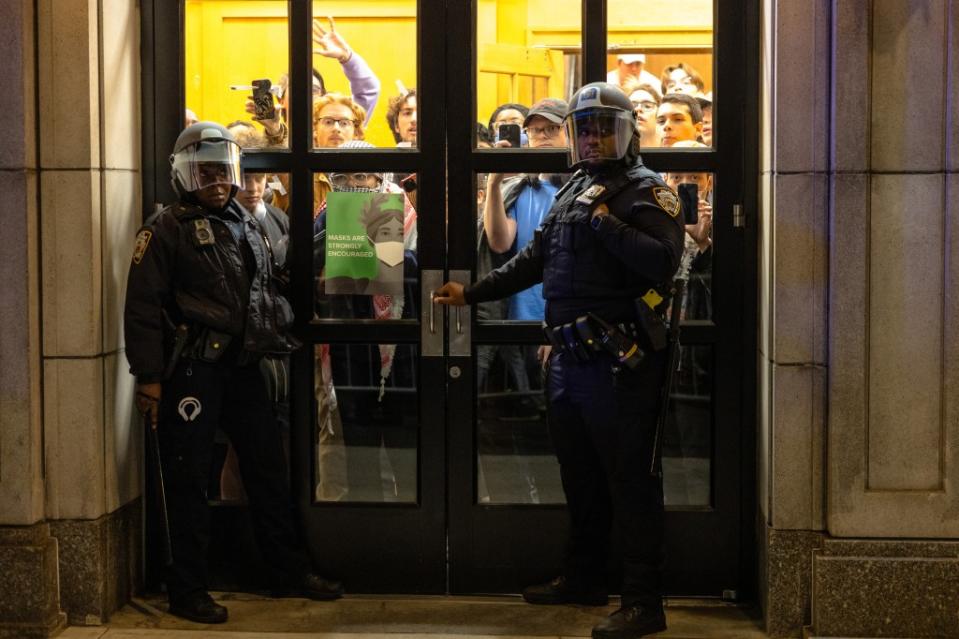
(599, 135)
(208, 163)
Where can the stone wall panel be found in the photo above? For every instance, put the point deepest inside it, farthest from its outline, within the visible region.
(799, 269)
(909, 67)
(905, 329)
(801, 122)
(69, 87)
(72, 258)
(74, 425)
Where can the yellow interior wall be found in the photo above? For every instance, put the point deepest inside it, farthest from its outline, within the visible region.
(236, 41)
(231, 43)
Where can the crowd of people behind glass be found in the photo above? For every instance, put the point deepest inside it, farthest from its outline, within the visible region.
(370, 389)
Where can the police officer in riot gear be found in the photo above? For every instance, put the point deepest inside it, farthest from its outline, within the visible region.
(605, 253)
(202, 308)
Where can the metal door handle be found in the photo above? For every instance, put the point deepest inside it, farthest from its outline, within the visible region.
(459, 322)
(432, 333)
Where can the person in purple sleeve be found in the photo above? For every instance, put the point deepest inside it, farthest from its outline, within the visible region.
(364, 85)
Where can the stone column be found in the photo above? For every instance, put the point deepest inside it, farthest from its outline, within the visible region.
(89, 185)
(793, 240)
(860, 431)
(891, 562)
(69, 448)
(29, 592)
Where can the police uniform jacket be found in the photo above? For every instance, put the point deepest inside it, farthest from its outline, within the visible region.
(181, 275)
(602, 268)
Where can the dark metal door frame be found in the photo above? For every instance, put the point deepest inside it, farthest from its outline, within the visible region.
(499, 548)
(447, 454)
(401, 548)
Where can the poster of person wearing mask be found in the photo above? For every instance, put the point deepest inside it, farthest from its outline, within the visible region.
(364, 243)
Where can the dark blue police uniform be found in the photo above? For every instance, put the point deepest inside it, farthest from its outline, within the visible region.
(602, 414)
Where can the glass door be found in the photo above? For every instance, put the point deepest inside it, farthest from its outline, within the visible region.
(419, 453)
(680, 65)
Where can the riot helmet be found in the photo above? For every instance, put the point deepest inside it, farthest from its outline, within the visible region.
(600, 124)
(205, 154)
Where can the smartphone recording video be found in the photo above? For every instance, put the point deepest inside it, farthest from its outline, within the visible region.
(689, 197)
(263, 100)
(510, 133)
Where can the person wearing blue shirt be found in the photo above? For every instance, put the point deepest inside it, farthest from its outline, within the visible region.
(515, 207)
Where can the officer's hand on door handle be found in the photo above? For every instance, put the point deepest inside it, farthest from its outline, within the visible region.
(450, 294)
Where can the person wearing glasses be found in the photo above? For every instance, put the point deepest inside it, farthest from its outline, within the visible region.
(509, 113)
(337, 119)
(514, 209)
(328, 43)
(646, 100)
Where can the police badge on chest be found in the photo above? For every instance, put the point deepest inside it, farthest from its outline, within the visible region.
(590, 195)
(203, 233)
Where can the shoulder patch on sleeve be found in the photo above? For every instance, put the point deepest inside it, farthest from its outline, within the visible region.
(667, 199)
(140, 249)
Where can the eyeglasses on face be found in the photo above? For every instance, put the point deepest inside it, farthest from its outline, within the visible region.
(345, 179)
(343, 123)
(646, 106)
(548, 131)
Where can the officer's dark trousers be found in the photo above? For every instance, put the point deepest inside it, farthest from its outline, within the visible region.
(233, 398)
(602, 422)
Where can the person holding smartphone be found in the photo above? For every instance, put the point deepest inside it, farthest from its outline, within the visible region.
(515, 206)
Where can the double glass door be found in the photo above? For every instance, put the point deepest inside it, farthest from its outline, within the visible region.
(420, 455)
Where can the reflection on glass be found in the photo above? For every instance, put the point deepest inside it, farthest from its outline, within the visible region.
(264, 197)
(697, 189)
(368, 56)
(367, 422)
(516, 463)
(659, 49)
(509, 213)
(236, 57)
(527, 52)
(364, 247)
(687, 440)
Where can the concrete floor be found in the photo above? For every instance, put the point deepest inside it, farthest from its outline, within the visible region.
(378, 617)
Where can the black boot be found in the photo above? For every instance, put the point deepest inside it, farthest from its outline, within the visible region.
(199, 607)
(311, 586)
(630, 622)
(560, 591)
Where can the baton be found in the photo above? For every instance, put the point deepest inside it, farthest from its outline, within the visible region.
(160, 493)
(672, 361)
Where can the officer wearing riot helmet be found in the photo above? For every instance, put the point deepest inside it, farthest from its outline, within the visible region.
(202, 308)
(605, 253)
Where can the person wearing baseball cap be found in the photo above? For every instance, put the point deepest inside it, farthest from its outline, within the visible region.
(629, 68)
(551, 109)
(513, 210)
